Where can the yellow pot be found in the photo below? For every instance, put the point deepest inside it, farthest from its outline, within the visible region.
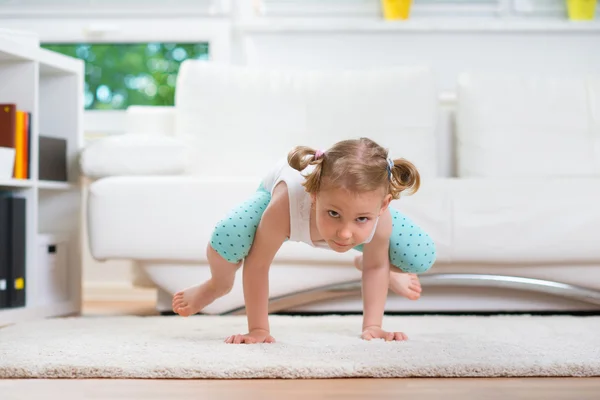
(581, 10)
(396, 9)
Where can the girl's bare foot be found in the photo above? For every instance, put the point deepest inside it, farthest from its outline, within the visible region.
(193, 299)
(407, 285)
(401, 283)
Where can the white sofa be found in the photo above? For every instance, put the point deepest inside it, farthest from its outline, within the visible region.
(515, 221)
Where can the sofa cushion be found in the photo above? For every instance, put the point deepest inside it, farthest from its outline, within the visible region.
(525, 221)
(510, 126)
(250, 117)
(499, 221)
(594, 101)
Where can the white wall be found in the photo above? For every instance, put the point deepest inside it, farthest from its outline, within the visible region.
(449, 52)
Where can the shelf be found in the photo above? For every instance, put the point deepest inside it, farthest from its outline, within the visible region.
(50, 63)
(14, 52)
(50, 87)
(428, 25)
(23, 183)
(54, 185)
(57, 64)
(15, 183)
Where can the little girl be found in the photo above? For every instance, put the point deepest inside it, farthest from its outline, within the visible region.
(338, 200)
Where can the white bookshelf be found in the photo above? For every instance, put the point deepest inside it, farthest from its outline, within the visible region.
(50, 86)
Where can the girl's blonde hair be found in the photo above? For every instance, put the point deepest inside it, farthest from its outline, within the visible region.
(358, 165)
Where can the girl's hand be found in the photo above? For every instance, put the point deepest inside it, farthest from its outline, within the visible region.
(255, 336)
(375, 332)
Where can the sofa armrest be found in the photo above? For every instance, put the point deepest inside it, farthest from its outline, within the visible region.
(135, 154)
(159, 217)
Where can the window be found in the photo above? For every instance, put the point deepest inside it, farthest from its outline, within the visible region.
(102, 8)
(120, 75)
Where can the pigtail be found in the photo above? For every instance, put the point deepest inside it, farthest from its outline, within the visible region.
(404, 175)
(300, 157)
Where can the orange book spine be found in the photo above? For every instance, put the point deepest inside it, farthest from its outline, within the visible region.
(20, 146)
(26, 123)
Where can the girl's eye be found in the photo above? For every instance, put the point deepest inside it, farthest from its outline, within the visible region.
(333, 214)
(362, 219)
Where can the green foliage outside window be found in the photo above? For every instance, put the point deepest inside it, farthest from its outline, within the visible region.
(120, 75)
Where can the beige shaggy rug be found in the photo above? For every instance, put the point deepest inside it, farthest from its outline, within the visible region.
(307, 347)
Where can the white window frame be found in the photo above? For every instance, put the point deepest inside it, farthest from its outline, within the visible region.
(112, 8)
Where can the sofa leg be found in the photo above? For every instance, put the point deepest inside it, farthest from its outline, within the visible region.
(351, 288)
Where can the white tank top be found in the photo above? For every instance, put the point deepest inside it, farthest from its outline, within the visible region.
(300, 201)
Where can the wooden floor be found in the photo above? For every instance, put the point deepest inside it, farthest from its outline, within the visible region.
(343, 389)
(346, 389)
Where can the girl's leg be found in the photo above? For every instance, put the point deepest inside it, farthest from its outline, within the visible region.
(230, 243)
(193, 299)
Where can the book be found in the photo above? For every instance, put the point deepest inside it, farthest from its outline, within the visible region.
(28, 164)
(7, 125)
(21, 144)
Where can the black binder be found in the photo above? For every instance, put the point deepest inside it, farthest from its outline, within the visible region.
(4, 250)
(13, 249)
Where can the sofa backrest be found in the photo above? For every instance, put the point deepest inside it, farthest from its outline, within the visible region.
(519, 126)
(241, 120)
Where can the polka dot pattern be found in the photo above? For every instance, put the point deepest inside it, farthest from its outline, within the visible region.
(411, 249)
(233, 236)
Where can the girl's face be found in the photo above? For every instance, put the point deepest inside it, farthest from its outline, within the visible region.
(346, 219)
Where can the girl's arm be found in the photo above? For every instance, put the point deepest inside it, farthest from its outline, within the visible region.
(272, 231)
(376, 273)
(375, 281)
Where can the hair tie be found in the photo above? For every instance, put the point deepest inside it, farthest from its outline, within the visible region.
(390, 166)
(319, 154)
